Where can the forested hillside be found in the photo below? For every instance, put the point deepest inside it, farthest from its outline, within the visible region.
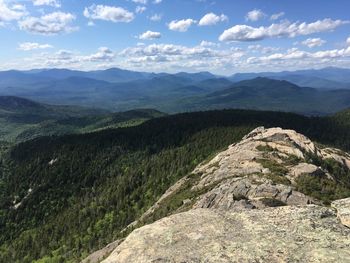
(63, 197)
(22, 119)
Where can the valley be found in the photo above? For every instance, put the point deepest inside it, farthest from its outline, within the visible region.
(23, 119)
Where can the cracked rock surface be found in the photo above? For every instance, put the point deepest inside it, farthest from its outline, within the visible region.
(284, 234)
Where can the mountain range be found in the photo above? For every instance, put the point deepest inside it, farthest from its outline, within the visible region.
(326, 78)
(119, 90)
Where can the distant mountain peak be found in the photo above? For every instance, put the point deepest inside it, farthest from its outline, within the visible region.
(261, 81)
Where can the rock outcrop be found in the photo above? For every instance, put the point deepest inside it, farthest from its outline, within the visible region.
(284, 234)
(343, 210)
(247, 205)
(253, 192)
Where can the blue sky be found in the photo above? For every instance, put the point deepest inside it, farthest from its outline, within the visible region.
(222, 36)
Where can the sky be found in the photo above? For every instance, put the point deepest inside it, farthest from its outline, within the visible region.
(220, 36)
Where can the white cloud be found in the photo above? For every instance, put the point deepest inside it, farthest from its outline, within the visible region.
(103, 54)
(181, 25)
(10, 13)
(19, 7)
(157, 2)
(66, 57)
(156, 17)
(174, 58)
(53, 3)
(255, 15)
(108, 13)
(150, 35)
(69, 59)
(313, 42)
(262, 49)
(212, 19)
(140, 9)
(169, 50)
(348, 41)
(143, 2)
(27, 46)
(161, 56)
(284, 29)
(296, 54)
(277, 15)
(53, 23)
(205, 43)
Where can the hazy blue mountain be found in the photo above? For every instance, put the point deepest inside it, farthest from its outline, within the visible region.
(269, 94)
(57, 73)
(214, 84)
(119, 75)
(180, 92)
(96, 88)
(200, 76)
(327, 78)
(110, 75)
(18, 79)
(330, 73)
(314, 82)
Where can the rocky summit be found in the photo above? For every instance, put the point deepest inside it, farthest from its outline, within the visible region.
(275, 196)
(285, 234)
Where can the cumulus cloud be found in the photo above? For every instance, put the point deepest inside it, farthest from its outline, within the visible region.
(108, 13)
(148, 35)
(181, 25)
(170, 52)
(9, 13)
(178, 56)
(167, 50)
(212, 19)
(277, 15)
(53, 3)
(103, 54)
(284, 29)
(50, 24)
(66, 57)
(157, 1)
(255, 15)
(206, 56)
(27, 46)
(313, 42)
(140, 9)
(348, 41)
(296, 54)
(156, 17)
